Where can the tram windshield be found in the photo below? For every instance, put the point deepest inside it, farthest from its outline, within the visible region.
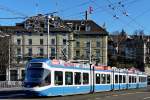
(35, 74)
(37, 77)
(35, 65)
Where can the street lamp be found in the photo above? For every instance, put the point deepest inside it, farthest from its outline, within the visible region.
(48, 36)
(48, 17)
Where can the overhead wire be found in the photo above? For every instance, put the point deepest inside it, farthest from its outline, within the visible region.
(76, 6)
(76, 14)
(12, 11)
(141, 14)
(13, 18)
(109, 12)
(132, 19)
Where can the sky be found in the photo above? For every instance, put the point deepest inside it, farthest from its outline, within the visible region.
(116, 15)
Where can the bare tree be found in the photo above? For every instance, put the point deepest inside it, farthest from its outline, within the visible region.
(5, 44)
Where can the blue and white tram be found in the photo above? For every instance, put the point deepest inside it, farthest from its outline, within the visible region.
(46, 77)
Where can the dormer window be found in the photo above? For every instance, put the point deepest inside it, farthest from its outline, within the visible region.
(77, 27)
(88, 28)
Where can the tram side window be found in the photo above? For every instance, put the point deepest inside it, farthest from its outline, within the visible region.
(68, 78)
(130, 79)
(116, 78)
(103, 78)
(139, 79)
(58, 78)
(108, 78)
(97, 78)
(124, 79)
(143, 79)
(85, 78)
(77, 76)
(120, 78)
(133, 81)
(48, 78)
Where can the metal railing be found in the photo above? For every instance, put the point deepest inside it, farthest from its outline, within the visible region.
(11, 84)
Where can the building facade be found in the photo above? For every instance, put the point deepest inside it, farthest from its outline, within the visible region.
(72, 40)
(90, 41)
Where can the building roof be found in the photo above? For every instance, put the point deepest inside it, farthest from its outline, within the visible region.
(94, 29)
(80, 25)
(13, 29)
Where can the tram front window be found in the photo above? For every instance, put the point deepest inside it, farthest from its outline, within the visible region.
(35, 74)
(37, 77)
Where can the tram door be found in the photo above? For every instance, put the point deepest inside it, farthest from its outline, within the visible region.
(58, 81)
(137, 81)
(92, 80)
(116, 81)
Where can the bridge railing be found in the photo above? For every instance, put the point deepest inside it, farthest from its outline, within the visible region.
(11, 84)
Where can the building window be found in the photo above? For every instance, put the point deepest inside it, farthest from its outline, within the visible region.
(22, 74)
(77, 27)
(30, 52)
(53, 41)
(18, 51)
(64, 41)
(13, 75)
(88, 28)
(87, 53)
(41, 41)
(88, 44)
(41, 34)
(18, 42)
(18, 33)
(41, 52)
(77, 44)
(52, 52)
(97, 44)
(77, 53)
(97, 53)
(30, 41)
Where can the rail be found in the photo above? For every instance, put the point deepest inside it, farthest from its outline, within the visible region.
(11, 84)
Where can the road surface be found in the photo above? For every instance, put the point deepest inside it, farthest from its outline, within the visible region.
(135, 94)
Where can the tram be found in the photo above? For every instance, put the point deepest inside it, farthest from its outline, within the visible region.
(44, 77)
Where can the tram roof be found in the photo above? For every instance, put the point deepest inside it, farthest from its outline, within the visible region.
(39, 60)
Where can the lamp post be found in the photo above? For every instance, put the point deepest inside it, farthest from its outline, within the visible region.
(90, 60)
(48, 19)
(48, 36)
